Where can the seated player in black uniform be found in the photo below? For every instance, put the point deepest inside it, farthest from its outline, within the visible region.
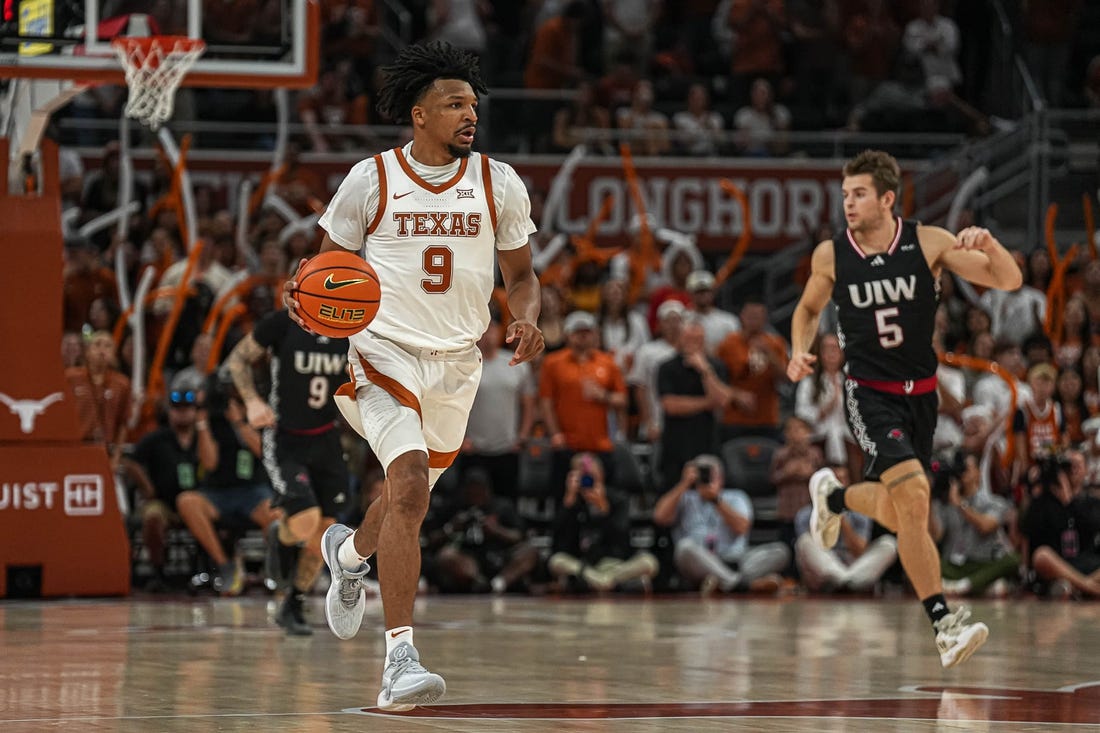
(882, 272)
(301, 447)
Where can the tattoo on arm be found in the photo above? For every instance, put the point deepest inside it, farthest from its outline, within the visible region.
(240, 362)
(903, 479)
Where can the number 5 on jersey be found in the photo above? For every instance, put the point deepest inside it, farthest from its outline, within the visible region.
(890, 335)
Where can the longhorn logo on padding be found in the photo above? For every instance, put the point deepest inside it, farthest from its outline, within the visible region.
(28, 410)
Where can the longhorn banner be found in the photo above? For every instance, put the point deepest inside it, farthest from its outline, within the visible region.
(788, 198)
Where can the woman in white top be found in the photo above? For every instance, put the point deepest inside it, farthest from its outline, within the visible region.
(702, 127)
(622, 331)
(820, 402)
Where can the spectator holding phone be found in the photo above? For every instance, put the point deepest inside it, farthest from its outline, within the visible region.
(710, 529)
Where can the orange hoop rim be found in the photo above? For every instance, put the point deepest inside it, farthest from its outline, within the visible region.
(145, 43)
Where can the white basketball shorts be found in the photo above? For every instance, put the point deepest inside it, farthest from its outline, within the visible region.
(408, 399)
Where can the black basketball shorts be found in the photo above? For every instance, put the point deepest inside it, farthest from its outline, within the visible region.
(889, 428)
(307, 471)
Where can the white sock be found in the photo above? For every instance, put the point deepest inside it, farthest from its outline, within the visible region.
(348, 558)
(400, 635)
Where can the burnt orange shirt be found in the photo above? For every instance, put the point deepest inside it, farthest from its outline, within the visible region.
(553, 41)
(751, 369)
(759, 47)
(80, 289)
(1044, 429)
(582, 421)
(101, 409)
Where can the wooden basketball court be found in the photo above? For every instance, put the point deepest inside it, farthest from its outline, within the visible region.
(524, 664)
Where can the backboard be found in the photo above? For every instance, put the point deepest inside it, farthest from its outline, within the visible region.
(251, 44)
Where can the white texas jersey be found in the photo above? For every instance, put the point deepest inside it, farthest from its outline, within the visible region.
(431, 235)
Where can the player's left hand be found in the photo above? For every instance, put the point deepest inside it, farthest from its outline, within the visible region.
(801, 365)
(977, 238)
(530, 338)
(290, 287)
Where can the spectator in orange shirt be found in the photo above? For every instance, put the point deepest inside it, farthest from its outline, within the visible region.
(756, 361)
(102, 395)
(85, 280)
(580, 387)
(759, 26)
(553, 60)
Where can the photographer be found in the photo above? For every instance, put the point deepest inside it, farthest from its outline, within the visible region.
(592, 534)
(968, 525)
(233, 486)
(480, 542)
(1059, 543)
(165, 463)
(711, 526)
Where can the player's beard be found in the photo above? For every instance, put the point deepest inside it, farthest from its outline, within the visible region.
(458, 151)
(867, 224)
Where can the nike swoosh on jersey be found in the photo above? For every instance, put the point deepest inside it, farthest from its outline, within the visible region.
(331, 284)
(402, 195)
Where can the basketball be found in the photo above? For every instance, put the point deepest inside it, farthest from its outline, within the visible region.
(338, 293)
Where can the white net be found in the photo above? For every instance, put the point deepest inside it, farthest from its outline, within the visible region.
(154, 68)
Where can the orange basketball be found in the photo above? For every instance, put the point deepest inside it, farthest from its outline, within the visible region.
(338, 293)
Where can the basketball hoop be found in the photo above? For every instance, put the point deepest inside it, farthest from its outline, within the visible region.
(155, 66)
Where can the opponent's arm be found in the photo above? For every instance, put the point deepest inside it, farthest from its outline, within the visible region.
(239, 363)
(974, 255)
(807, 313)
(524, 301)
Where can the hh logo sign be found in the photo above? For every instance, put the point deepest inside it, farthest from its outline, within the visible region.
(81, 495)
(84, 495)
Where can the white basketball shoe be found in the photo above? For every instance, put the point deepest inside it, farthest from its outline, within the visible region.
(405, 682)
(346, 600)
(956, 639)
(824, 524)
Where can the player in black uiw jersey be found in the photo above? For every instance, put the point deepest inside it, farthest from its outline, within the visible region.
(883, 273)
(301, 447)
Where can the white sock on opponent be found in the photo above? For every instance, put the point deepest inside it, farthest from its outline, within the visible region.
(347, 556)
(400, 635)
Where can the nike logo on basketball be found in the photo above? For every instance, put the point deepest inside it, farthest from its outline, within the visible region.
(402, 195)
(331, 284)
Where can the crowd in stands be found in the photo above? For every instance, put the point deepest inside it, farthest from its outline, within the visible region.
(658, 443)
(686, 78)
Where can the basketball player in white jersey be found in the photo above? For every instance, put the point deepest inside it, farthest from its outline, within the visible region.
(431, 216)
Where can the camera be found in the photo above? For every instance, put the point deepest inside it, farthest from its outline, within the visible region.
(704, 472)
(587, 481)
(946, 468)
(1050, 466)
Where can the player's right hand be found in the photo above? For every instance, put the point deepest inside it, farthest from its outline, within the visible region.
(800, 365)
(291, 303)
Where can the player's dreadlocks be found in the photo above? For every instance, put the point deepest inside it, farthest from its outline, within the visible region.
(417, 67)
